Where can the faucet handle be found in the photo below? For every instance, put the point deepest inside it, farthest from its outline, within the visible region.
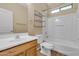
(17, 36)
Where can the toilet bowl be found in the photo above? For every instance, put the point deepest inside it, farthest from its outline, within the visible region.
(46, 48)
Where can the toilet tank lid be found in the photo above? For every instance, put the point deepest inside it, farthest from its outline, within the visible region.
(46, 44)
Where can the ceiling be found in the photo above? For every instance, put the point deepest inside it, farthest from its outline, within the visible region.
(40, 6)
(54, 5)
(45, 6)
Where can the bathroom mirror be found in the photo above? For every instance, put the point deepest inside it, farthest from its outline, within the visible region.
(6, 21)
(13, 18)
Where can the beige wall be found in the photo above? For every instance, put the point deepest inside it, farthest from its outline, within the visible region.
(19, 16)
(31, 28)
(23, 17)
(30, 19)
(39, 7)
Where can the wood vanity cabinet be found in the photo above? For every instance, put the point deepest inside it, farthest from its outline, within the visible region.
(21, 54)
(31, 51)
(26, 49)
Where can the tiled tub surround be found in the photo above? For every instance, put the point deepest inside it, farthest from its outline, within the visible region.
(64, 34)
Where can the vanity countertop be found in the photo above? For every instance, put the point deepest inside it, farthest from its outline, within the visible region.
(11, 42)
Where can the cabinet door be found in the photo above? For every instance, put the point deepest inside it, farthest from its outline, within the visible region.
(21, 54)
(32, 51)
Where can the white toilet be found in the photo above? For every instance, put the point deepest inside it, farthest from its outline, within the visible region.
(46, 48)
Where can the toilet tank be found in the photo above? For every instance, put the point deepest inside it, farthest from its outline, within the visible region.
(40, 38)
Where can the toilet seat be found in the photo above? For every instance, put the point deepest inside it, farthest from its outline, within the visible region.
(47, 45)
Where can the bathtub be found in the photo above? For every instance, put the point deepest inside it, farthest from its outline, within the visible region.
(66, 49)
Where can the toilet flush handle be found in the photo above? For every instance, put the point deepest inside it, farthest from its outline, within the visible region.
(44, 41)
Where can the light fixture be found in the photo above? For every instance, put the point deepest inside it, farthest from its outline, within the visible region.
(55, 11)
(62, 8)
(67, 7)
